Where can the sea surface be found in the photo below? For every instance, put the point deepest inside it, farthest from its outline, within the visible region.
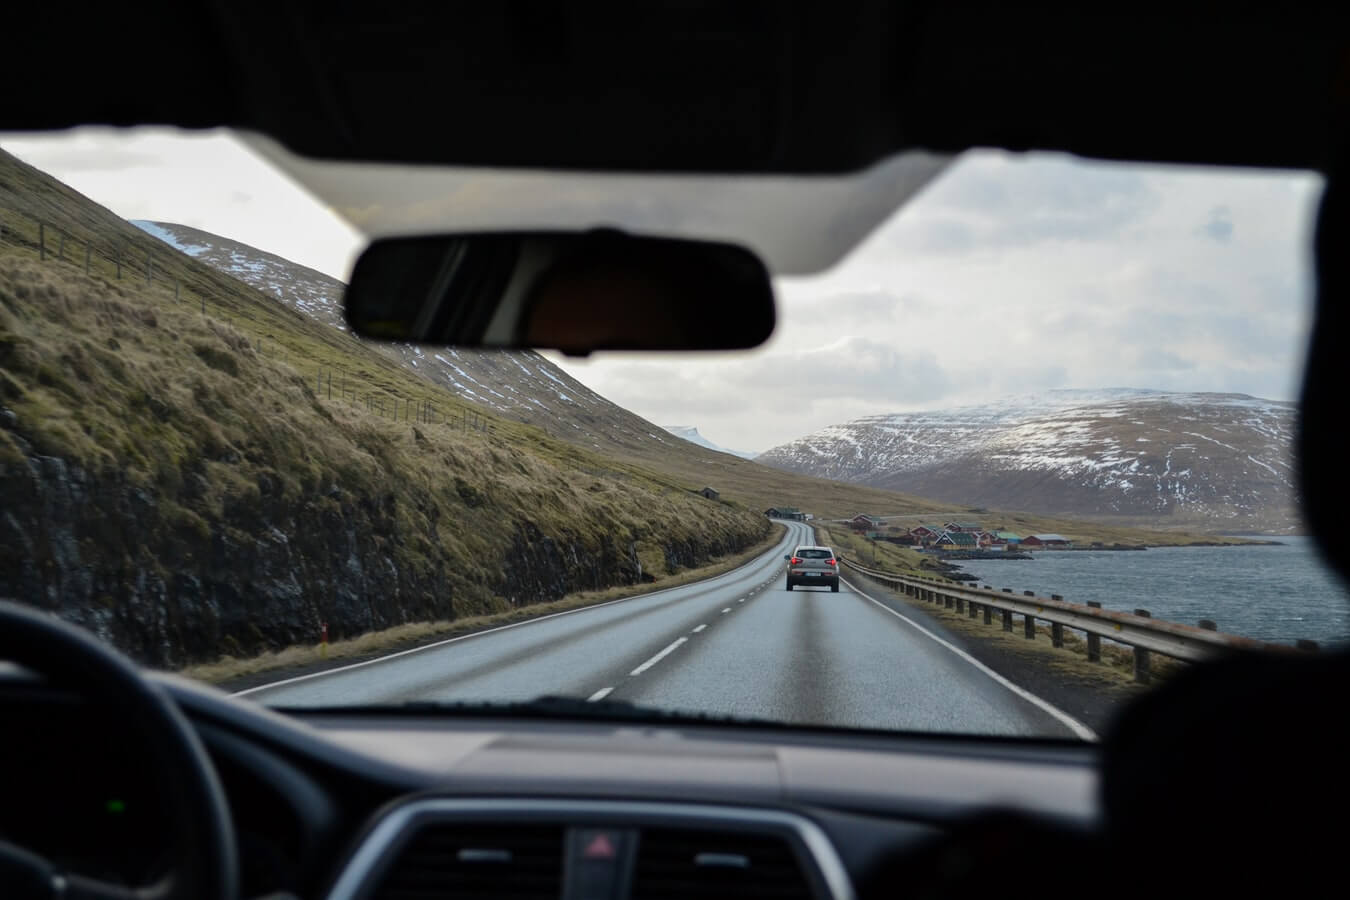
(1280, 593)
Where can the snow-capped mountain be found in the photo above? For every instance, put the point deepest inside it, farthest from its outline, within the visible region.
(520, 384)
(1220, 460)
(690, 434)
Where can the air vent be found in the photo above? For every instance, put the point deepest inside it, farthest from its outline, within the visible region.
(468, 862)
(678, 863)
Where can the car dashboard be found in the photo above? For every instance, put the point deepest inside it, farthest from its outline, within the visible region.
(415, 804)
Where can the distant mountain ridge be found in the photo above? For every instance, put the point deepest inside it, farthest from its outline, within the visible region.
(1220, 461)
(518, 383)
(690, 433)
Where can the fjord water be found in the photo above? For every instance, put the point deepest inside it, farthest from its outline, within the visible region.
(1274, 593)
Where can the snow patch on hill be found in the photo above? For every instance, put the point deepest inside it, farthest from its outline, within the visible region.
(1219, 459)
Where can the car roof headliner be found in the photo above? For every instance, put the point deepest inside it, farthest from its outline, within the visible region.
(696, 85)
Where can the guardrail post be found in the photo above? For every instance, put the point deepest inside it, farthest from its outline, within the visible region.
(1209, 625)
(1056, 629)
(1029, 623)
(973, 607)
(988, 614)
(1094, 641)
(1007, 621)
(948, 600)
(1141, 656)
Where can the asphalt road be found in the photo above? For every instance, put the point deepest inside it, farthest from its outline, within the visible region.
(739, 643)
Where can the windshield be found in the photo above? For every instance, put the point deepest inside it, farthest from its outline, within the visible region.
(1045, 407)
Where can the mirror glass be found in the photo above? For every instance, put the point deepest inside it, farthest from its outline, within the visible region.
(573, 292)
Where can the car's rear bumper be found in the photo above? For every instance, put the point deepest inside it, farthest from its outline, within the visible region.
(806, 580)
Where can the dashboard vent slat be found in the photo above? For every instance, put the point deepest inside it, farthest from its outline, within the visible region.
(679, 863)
(471, 861)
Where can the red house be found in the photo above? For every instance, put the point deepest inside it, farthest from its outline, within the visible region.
(1047, 541)
(926, 533)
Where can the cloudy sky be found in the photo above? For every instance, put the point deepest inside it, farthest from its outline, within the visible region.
(1007, 275)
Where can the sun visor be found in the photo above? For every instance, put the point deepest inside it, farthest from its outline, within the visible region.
(799, 225)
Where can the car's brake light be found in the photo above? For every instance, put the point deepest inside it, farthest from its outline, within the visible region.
(796, 561)
(832, 562)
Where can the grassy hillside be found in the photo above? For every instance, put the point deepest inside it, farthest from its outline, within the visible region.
(176, 481)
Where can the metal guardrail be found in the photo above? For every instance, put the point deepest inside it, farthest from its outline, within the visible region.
(1140, 631)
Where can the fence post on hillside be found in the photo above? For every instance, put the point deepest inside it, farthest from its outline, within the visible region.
(87, 248)
(61, 247)
(117, 258)
(330, 384)
(42, 242)
(203, 304)
(1094, 641)
(1141, 656)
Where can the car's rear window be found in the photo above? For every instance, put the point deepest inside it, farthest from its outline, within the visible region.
(814, 553)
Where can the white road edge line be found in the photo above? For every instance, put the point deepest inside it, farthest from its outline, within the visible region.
(465, 637)
(727, 610)
(599, 695)
(699, 628)
(1073, 724)
(658, 657)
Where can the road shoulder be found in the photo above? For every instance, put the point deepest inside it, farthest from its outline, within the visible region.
(1093, 695)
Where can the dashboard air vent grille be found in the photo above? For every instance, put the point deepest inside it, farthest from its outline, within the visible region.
(717, 865)
(470, 861)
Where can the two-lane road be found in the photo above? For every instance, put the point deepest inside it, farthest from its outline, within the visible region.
(739, 643)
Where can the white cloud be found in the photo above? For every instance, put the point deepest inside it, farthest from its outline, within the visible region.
(207, 180)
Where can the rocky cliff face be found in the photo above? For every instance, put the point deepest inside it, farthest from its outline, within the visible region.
(106, 553)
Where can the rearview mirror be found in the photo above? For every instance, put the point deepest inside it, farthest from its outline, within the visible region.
(599, 290)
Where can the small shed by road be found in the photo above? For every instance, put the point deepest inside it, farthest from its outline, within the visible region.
(708, 492)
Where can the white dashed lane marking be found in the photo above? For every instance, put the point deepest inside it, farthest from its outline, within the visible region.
(671, 648)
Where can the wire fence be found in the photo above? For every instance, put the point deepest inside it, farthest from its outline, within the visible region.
(398, 408)
(119, 260)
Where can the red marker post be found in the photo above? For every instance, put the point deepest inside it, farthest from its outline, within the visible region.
(323, 640)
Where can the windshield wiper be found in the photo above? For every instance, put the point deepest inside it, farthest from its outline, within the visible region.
(551, 706)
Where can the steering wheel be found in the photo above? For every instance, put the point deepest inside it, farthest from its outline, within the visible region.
(199, 818)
